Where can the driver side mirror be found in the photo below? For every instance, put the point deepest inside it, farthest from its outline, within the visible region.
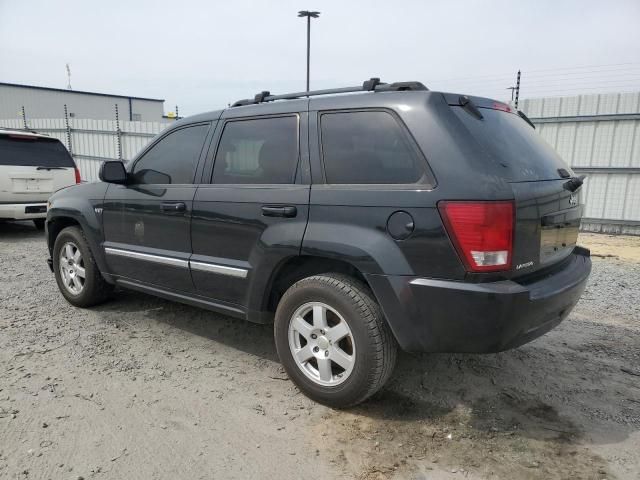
(113, 171)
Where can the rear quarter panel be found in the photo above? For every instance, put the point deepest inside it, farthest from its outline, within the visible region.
(350, 224)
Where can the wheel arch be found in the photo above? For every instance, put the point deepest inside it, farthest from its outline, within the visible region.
(56, 223)
(55, 226)
(296, 268)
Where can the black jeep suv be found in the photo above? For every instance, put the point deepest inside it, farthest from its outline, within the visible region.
(390, 216)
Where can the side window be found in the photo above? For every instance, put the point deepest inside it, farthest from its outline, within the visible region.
(259, 151)
(368, 148)
(173, 159)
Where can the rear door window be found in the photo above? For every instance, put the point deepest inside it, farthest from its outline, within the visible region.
(517, 152)
(368, 147)
(258, 151)
(26, 151)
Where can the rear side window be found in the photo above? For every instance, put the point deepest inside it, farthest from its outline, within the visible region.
(26, 151)
(173, 159)
(258, 151)
(368, 148)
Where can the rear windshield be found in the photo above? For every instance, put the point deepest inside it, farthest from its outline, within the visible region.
(517, 150)
(37, 152)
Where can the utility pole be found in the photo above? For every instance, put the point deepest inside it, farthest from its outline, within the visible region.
(69, 77)
(517, 90)
(118, 134)
(24, 118)
(309, 15)
(512, 90)
(68, 128)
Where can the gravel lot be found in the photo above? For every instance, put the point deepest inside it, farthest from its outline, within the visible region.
(144, 388)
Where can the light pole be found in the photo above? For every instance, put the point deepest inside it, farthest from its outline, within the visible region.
(309, 15)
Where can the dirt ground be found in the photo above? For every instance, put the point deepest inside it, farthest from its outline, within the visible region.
(141, 388)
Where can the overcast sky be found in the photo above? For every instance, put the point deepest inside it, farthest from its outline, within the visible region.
(202, 55)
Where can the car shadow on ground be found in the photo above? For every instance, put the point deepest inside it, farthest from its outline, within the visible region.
(248, 337)
(18, 231)
(520, 392)
(501, 394)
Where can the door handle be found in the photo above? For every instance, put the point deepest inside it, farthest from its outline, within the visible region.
(173, 207)
(288, 211)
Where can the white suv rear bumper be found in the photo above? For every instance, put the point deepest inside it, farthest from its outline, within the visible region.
(18, 211)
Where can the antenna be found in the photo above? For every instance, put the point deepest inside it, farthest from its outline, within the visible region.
(517, 89)
(69, 77)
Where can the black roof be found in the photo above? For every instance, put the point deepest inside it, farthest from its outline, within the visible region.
(79, 91)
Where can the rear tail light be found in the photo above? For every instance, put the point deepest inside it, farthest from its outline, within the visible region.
(482, 233)
(502, 106)
(78, 178)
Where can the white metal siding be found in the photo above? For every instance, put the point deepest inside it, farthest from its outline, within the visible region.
(42, 103)
(607, 149)
(611, 196)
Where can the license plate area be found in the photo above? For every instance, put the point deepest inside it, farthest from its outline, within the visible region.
(559, 234)
(556, 242)
(29, 185)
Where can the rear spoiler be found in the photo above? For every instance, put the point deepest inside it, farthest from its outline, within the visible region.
(458, 100)
(472, 104)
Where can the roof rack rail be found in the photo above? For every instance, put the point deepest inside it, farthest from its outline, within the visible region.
(372, 85)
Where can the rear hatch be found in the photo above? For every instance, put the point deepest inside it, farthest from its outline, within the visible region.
(33, 167)
(547, 210)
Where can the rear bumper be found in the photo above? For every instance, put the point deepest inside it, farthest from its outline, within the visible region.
(447, 316)
(23, 211)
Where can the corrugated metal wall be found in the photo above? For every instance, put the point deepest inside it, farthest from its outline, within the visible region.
(599, 136)
(93, 141)
(45, 103)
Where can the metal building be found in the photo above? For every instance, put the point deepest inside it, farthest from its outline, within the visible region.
(45, 102)
(599, 136)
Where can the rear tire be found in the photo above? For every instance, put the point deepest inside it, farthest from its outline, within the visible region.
(334, 319)
(76, 271)
(39, 223)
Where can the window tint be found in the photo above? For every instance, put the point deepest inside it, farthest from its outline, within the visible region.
(516, 151)
(26, 151)
(173, 159)
(260, 151)
(367, 147)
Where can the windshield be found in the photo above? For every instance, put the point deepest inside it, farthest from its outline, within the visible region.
(33, 151)
(517, 151)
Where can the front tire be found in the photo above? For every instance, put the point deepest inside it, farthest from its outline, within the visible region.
(39, 223)
(333, 341)
(76, 271)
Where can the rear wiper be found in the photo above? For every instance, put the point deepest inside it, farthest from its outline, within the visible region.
(469, 107)
(574, 184)
(526, 119)
(51, 168)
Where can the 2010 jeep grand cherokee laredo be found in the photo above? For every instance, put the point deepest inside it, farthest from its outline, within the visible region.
(391, 216)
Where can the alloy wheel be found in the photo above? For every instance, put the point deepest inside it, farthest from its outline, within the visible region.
(322, 343)
(72, 269)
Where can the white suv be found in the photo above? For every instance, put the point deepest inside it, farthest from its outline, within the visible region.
(32, 167)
